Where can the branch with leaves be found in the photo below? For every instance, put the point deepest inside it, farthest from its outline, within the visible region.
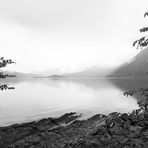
(4, 62)
(143, 41)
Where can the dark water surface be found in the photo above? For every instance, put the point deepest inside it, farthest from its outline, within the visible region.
(34, 99)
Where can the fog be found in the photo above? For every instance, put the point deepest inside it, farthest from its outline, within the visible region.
(69, 35)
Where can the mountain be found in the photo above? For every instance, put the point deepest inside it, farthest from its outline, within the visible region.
(136, 67)
(19, 74)
(56, 76)
(25, 75)
(91, 72)
(45, 73)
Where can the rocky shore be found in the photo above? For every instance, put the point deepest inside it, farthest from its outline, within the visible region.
(115, 130)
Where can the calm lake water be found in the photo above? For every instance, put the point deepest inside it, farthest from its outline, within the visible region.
(34, 99)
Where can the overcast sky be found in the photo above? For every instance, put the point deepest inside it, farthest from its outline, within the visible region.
(69, 34)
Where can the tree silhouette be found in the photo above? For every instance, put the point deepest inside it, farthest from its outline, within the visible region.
(4, 63)
(143, 41)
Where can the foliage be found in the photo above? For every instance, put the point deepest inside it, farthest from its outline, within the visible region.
(5, 86)
(4, 63)
(143, 41)
(143, 103)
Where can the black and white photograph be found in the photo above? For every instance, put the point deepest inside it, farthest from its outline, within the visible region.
(73, 74)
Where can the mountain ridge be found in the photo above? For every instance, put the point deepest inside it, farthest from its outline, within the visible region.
(94, 71)
(91, 72)
(136, 67)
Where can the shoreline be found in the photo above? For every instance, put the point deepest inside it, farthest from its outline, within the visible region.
(112, 130)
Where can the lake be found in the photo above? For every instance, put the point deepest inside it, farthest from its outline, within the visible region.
(34, 99)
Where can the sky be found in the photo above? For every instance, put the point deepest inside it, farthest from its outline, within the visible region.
(69, 35)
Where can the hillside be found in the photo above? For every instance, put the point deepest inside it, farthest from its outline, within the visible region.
(91, 72)
(136, 67)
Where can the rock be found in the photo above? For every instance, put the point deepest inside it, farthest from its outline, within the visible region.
(124, 140)
(83, 143)
(113, 131)
(116, 129)
(26, 142)
(138, 143)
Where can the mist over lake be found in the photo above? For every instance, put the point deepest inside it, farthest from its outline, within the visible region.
(35, 99)
(73, 74)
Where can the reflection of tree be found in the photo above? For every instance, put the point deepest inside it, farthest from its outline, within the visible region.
(4, 63)
(143, 103)
(5, 86)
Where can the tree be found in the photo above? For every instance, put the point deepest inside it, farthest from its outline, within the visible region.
(143, 41)
(4, 63)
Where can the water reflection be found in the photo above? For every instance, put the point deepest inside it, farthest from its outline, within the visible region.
(5, 87)
(38, 98)
(131, 84)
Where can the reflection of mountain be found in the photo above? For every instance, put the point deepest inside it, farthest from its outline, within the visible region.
(55, 76)
(11, 81)
(122, 84)
(137, 67)
(130, 84)
(91, 83)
